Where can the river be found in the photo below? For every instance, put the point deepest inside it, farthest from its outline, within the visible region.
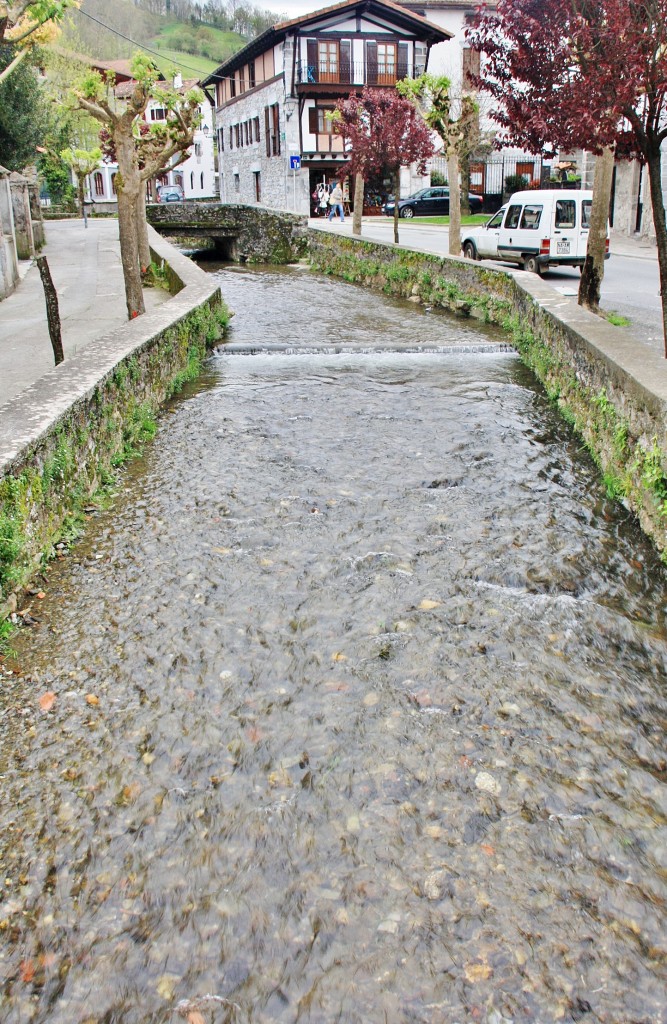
(350, 708)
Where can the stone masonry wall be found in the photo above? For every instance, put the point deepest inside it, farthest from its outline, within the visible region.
(614, 396)
(261, 235)
(64, 436)
(243, 162)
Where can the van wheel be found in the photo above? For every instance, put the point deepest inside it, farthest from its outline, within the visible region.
(469, 251)
(532, 266)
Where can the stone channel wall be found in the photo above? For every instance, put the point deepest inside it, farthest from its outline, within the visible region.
(612, 389)
(65, 435)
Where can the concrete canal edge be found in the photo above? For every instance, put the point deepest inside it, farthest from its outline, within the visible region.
(63, 437)
(611, 389)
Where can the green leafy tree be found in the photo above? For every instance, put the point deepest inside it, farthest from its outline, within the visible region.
(26, 23)
(23, 114)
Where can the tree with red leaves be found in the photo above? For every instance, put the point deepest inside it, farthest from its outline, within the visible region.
(383, 132)
(582, 73)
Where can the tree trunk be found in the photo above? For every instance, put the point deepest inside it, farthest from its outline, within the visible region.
(142, 234)
(454, 203)
(129, 188)
(397, 189)
(593, 269)
(358, 203)
(653, 160)
(465, 184)
(129, 253)
(52, 312)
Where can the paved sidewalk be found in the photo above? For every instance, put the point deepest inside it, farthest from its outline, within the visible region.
(87, 273)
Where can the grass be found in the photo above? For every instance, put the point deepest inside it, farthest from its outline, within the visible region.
(189, 65)
(473, 218)
(616, 319)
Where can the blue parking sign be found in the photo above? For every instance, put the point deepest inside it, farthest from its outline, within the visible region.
(295, 163)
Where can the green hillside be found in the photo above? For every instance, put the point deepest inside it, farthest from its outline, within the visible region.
(188, 65)
(202, 46)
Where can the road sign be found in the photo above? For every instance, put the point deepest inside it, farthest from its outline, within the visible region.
(295, 163)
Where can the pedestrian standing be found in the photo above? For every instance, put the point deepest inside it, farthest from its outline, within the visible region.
(336, 203)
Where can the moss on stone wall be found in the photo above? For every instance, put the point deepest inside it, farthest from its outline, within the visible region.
(43, 497)
(625, 432)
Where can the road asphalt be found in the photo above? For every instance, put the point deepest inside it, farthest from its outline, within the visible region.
(86, 270)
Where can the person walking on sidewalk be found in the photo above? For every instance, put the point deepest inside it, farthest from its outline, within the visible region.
(336, 203)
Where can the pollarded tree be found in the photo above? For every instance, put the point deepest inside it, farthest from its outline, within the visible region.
(24, 23)
(383, 132)
(82, 162)
(169, 139)
(432, 94)
(583, 73)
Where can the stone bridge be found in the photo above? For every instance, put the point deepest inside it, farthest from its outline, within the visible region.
(252, 234)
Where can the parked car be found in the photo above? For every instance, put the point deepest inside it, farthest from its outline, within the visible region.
(170, 194)
(537, 228)
(429, 202)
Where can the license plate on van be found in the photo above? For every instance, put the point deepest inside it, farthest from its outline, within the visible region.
(563, 247)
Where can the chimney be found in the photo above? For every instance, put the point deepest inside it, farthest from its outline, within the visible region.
(178, 80)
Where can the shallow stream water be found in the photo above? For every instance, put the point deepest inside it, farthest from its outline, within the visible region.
(357, 703)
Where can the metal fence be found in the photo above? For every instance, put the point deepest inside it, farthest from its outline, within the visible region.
(489, 178)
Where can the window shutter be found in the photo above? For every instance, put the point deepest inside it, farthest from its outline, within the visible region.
(371, 64)
(471, 66)
(345, 61)
(311, 70)
(267, 130)
(276, 127)
(312, 120)
(402, 60)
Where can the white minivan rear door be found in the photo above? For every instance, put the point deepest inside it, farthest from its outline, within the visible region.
(567, 229)
(586, 205)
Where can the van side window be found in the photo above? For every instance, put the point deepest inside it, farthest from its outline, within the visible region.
(586, 213)
(566, 213)
(512, 218)
(531, 217)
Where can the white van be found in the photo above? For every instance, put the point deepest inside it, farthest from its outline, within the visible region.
(538, 229)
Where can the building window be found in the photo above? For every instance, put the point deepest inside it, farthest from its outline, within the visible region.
(232, 86)
(251, 75)
(327, 59)
(272, 129)
(386, 63)
(237, 135)
(221, 140)
(158, 114)
(113, 183)
(198, 149)
(202, 181)
(98, 182)
(231, 136)
(324, 122)
(248, 133)
(237, 183)
(258, 187)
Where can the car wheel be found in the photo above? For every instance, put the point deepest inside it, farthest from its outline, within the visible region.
(532, 266)
(469, 251)
(407, 211)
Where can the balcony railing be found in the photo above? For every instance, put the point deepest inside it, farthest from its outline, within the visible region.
(348, 73)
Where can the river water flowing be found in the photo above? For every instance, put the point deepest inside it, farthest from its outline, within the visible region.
(352, 704)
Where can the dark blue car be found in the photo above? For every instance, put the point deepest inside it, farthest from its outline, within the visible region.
(429, 202)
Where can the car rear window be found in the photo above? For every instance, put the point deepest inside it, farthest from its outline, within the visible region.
(586, 213)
